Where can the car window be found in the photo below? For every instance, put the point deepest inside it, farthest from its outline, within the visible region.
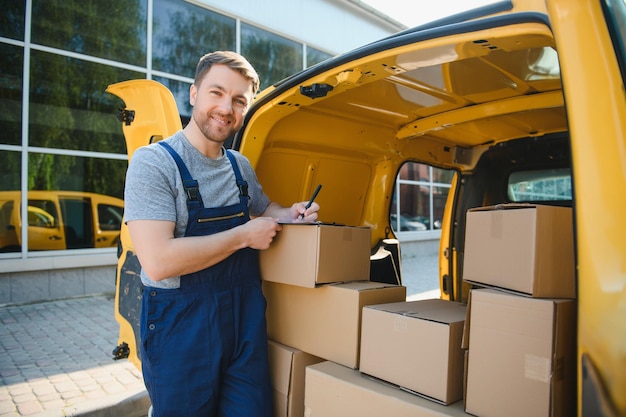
(540, 185)
(42, 213)
(39, 218)
(110, 217)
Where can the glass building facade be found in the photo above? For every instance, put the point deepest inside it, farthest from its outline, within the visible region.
(62, 153)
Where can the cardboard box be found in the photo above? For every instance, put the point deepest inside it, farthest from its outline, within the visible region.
(521, 247)
(333, 390)
(416, 345)
(287, 370)
(522, 356)
(308, 254)
(324, 321)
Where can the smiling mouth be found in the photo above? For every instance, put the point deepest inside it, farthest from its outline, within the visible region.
(221, 120)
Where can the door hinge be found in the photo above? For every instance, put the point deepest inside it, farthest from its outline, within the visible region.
(126, 116)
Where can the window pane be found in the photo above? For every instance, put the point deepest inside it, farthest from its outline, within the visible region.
(414, 172)
(273, 56)
(314, 56)
(69, 107)
(415, 206)
(440, 195)
(12, 19)
(75, 173)
(11, 59)
(420, 203)
(183, 32)
(114, 29)
(10, 168)
(443, 176)
(541, 185)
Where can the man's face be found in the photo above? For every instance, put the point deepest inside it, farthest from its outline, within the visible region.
(220, 102)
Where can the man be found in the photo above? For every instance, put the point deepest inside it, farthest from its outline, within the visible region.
(188, 207)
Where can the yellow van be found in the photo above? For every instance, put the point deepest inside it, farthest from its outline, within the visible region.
(59, 220)
(523, 100)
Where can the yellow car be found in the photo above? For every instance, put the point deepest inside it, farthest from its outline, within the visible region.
(524, 100)
(59, 220)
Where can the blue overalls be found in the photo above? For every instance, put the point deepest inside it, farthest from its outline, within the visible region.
(204, 345)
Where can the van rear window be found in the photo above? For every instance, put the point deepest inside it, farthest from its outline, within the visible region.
(540, 185)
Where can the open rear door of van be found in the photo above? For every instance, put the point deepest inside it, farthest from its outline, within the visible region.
(150, 114)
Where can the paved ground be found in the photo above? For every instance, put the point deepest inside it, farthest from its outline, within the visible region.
(420, 272)
(55, 356)
(55, 360)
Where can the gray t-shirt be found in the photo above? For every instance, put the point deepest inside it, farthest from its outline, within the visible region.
(154, 189)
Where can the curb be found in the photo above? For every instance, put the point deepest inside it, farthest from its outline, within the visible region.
(136, 405)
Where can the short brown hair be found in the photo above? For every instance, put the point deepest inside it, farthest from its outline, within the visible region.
(233, 61)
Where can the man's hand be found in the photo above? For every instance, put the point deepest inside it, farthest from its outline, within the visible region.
(261, 231)
(292, 214)
(299, 209)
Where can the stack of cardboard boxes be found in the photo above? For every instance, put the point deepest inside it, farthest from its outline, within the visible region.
(521, 326)
(362, 348)
(342, 345)
(316, 281)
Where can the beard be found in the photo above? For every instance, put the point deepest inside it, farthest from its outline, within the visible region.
(211, 130)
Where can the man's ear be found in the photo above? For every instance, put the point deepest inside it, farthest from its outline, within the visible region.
(192, 94)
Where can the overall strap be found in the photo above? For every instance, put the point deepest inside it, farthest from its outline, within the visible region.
(194, 199)
(241, 183)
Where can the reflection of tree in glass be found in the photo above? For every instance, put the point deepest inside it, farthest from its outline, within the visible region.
(12, 19)
(187, 35)
(11, 59)
(73, 173)
(113, 30)
(69, 108)
(10, 164)
(313, 56)
(274, 57)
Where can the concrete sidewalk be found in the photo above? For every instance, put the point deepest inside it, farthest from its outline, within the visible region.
(55, 360)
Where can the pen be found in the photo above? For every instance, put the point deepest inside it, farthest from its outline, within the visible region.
(317, 190)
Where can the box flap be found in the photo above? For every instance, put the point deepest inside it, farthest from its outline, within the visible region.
(287, 370)
(564, 369)
(280, 357)
(466, 326)
(361, 285)
(437, 310)
(280, 360)
(505, 206)
(296, 395)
